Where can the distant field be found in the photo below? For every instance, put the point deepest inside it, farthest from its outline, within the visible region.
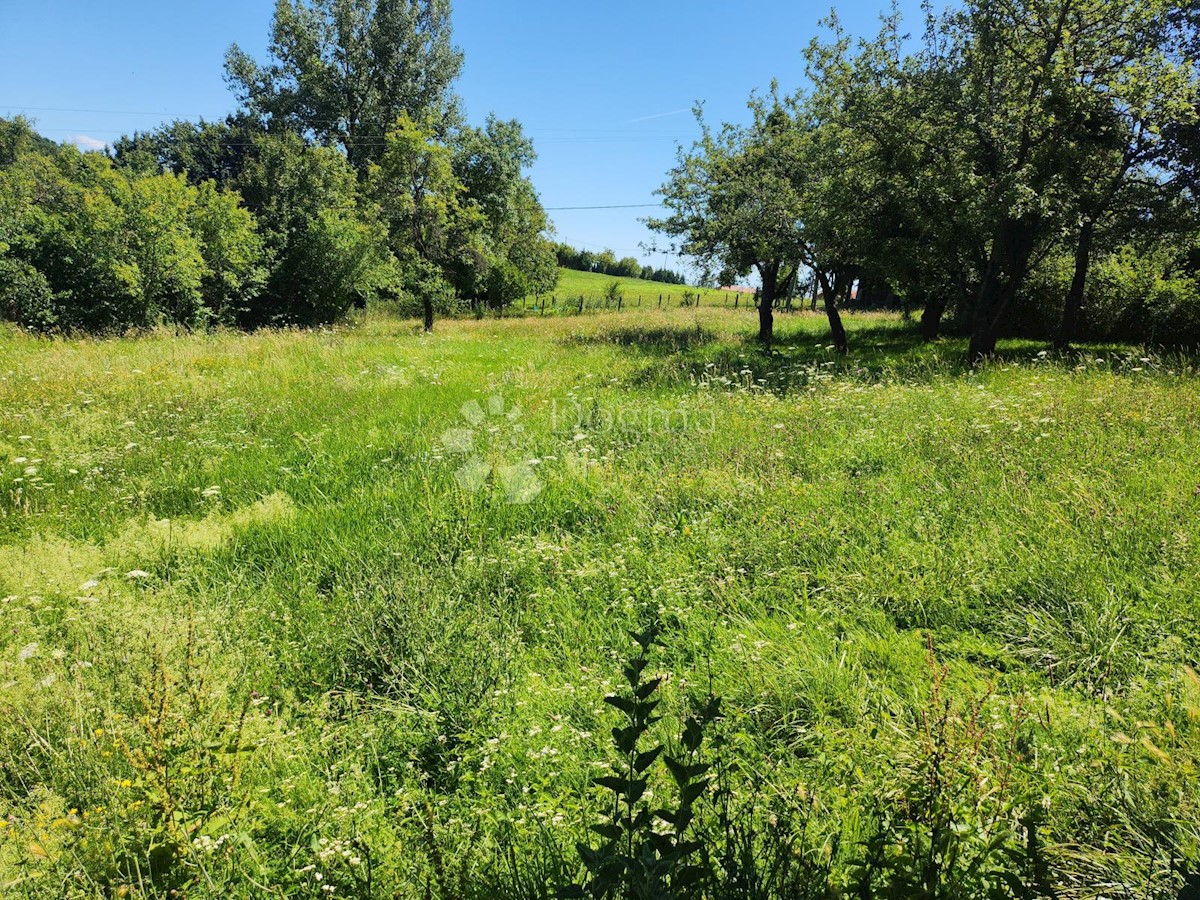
(295, 611)
(593, 286)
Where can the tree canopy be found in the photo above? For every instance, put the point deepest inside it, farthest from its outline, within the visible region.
(343, 71)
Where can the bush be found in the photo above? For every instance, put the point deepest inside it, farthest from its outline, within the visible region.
(164, 248)
(1139, 296)
(234, 262)
(333, 262)
(1134, 294)
(505, 284)
(327, 253)
(25, 296)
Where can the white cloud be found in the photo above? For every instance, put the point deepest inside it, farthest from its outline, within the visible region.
(83, 142)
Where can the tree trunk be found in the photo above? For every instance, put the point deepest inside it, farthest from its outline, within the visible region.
(766, 317)
(1006, 269)
(428, 303)
(840, 344)
(1073, 305)
(931, 315)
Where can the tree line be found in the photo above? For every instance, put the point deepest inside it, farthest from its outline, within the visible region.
(606, 263)
(1025, 166)
(348, 174)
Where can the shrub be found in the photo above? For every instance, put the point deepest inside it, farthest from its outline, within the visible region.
(327, 254)
(25, 296)
(505, 284)
(234, 262)
(164, 249)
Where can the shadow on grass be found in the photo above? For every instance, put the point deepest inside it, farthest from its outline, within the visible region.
(656, 341)
(802, 356)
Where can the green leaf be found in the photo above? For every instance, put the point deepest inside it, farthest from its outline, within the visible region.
(609, 830)
(624, 704)
(647, 689)
(645, 760)
(625, 739)
(614, 783)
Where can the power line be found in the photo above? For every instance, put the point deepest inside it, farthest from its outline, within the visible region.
(619, 206)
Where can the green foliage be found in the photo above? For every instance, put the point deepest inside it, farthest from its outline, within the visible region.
(164, 249)
(204, 151)
(1012, 130)
(232, 250)
(328, 250)
(25, 296)
(18, 137)
(123, 250)
(1144, 296)
(344, 70)
(76, 231)
(648, 851)
(421, 203)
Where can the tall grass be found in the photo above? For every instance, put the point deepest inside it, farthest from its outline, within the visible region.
(261, 640)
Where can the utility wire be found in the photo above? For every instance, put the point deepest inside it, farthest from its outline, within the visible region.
(619, 206)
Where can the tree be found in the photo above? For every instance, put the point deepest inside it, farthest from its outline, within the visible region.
(204, 151)
(1045, 82)
(738, 201)
(342, 71)
(1015, 125)
(232, 249)
(1145, 86)
(17, 136)
(490, 164)
(899, 200)
(326, 245)
(170, 265)
(421, 202)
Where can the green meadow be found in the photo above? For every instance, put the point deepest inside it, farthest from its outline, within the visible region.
(636, 293)
(336, 612)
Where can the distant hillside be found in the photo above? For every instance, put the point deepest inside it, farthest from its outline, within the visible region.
(572, 284)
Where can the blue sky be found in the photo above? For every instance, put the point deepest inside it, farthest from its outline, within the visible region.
(604, 90)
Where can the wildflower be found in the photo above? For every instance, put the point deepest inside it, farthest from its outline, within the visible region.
(137, 573)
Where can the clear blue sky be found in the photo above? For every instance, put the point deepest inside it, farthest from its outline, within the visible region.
(604, 90)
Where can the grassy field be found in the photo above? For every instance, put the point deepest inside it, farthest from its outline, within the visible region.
(301, 614)
(592, 286)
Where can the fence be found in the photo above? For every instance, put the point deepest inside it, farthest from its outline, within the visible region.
(578, 304)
